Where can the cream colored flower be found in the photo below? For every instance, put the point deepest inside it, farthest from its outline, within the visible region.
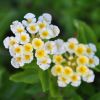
(24, 38)
(80, 50)
(28, 57)
(55, 30)
(82, 70)
(45, 18)
(45, 34)
(60, 46)
(57, 70)
(75, 80)
(82, 60)
(17, 62)
(93, 61)
(30, 18)
(50, 47)
(16, 50)
(90, 49)
(58, 59)
(42, 25)
(27, 48)
(71, 45)
(40, 53)
(17, 28)
(44, 63)
(32, 28)
(68, 71)
(10, 41)
(37, 43)
(89, 77)
(63, 81)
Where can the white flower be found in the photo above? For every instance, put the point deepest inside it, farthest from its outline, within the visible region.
(6, 42)
(60, 46)
(32, 28)
(10, 41)
(90, 49)
(89, 77)
(93, 61)
(55, 30)
(17, 28)
(40, 53)
(37, 43)
(30, 18)
(17, 62)
(50, 47)
(44, 63)
(45, 18)
(23, 38)
(57, 70)
(28, 57)
(71, 45)
(27, 48)
(75, 80)
(82, 60)
(80, 49)
(42, 25)
(63, 81)
(46, 33)
(16, 50)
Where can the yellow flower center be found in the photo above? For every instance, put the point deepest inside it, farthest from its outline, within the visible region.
(71, 45)
(20, 30)
(74, 78)
(40, 53)
(45, 33)
(27, 57)
(63, 79)
(37, 43)
(18, 59)
(68, 71)
(88, 50)
(12, 42)
(17, 49)
(28, 47)
(23, 38)
(58, 59)
(33, 28)
(91, 61)
(83, 60)
(41, 25)
(29, 20)
(82, 69)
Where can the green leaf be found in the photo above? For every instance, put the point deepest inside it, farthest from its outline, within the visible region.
(85, 33)
(95, 96)
(97, 68)
(76, 97)
(44, 79)
(27, 76)
(80, 32)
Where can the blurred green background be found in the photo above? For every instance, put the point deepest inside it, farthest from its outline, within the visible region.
(70, 16)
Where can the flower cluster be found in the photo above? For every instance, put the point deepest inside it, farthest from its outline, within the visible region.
(29, 36)
(71, 61)
(75, 63)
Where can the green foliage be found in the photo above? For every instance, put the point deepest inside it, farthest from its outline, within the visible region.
(27, 76)
(31, 82)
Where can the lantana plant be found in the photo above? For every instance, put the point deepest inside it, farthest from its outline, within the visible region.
(71, 62)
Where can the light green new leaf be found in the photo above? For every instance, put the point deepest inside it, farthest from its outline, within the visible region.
(27, 76)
